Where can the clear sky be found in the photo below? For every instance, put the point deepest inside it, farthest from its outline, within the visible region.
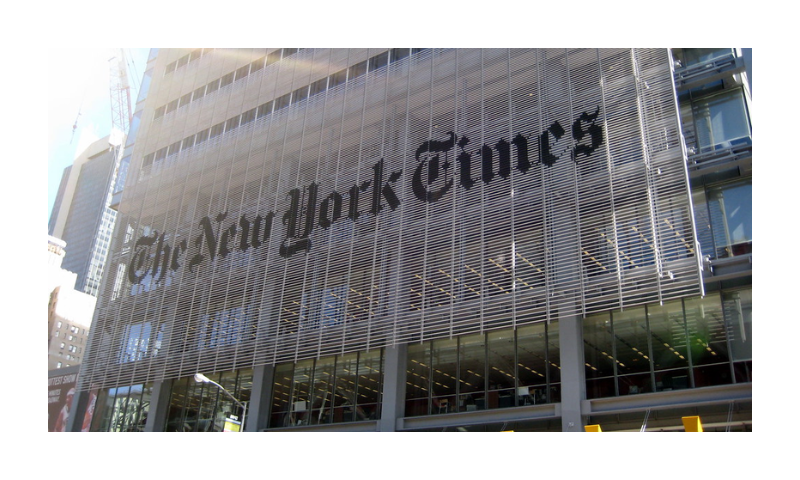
(78, 90)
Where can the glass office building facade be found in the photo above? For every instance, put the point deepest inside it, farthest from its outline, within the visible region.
(425, 239)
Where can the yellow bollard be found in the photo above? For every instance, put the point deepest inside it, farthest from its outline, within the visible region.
(692, 424)
(592, 428)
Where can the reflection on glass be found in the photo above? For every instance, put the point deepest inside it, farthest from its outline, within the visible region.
(498, 369)
(418, 379)
(721, 120)
(739, 317)
(731, 211)
(444, 375)
(668, 338)
(630, 334)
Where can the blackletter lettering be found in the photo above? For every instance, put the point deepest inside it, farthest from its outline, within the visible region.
(431, 146)
(464, 160)
(521, 144)
(379, 189)
(594, 131)
(324, 221)
(293, 217)
(140, 257)
(210, 240)
(160, 264)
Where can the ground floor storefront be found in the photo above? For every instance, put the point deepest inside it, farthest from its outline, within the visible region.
(641, 368)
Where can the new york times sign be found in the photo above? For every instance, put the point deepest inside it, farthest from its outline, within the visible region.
(153, 256)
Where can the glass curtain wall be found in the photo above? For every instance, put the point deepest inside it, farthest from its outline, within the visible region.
(334, 389)
(721, 120)
(496, 369)
(694, 342)
(731, 211)
(122, 409)
(204, 407)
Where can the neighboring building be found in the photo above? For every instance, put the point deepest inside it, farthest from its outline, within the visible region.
(429, 239)
(69, 313)
(81, 214)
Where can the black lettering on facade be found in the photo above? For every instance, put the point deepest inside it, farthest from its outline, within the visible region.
(432, 148)
(139, 261)
(302, 216)
(297, 240)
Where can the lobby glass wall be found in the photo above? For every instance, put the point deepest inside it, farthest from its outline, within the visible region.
(694, 342)
(334, 389)
(497, 369)
(204, 407)
(122, 409)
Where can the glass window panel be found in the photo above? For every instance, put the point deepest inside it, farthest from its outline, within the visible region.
(300, 94)
(532, 357)
(378, 61)
(417, 379)
(472, 373)
(358, 69)
(399, 53)
(282, 101)
(212, 86)
(301, 388)
(187, 142)
(706, 326)
(598, 343)
(344, 398)
(171, 106)
(199, 93)
(668, 335)
(321, 395)
(249, 116)
(369, 384)
(232, 123)
(103, 410)
(472, 353)
(731, 212)
(257, 64)
(634, 384)
(177, 406)
(281, 396)
(226, 80)
(242, 72)
(185, 99)
(692, 56)
(630, 333)
(739, 317)
(444, 375)
(265, 109)
(501, 360)
(273, 57)
(319, 86)
(721, 120)
(668, 340)
(201, 136)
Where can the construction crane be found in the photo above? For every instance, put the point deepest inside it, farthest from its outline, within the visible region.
(121, 114)
(120, 91)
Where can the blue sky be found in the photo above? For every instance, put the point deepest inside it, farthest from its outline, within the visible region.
(78, 90)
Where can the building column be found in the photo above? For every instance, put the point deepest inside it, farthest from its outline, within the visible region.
(260, 398)
(159, 407)
(80, 401)
(573, 373)
(394, 387)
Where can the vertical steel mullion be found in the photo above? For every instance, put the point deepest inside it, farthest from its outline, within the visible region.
(614, 354)
(651, 195)
(650, 351)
